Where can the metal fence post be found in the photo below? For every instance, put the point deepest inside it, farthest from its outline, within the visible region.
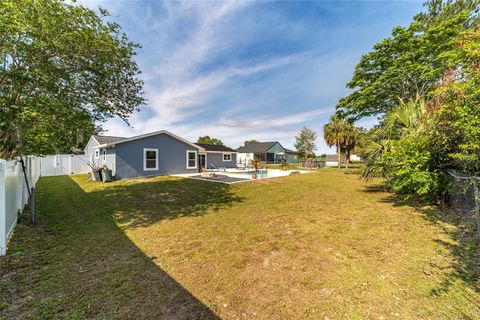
(3, 209)
(477, 205)
(32, 206)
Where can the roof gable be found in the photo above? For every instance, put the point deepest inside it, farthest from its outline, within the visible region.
(125, 140)
(334, 157)
(106, 139)
(257, 147)
(276, 148)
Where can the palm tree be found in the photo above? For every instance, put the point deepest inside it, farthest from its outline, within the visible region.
(405, 118)
(350, 138)
(334, 133)
(402, 120)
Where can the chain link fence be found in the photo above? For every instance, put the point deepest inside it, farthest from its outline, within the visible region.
(464, 196)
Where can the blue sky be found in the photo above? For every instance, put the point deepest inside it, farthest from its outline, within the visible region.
(245, 69)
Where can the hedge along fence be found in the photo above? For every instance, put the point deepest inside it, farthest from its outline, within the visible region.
(15, 193)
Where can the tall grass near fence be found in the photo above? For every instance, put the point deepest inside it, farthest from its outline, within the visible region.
(15, 187)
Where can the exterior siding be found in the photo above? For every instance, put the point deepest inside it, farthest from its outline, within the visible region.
(331, 163)
(172, 157)
(292, 158)
(354, 157)
(89, 151)
(244, 158)
(110, 159)
(276, 148)
(217, 160)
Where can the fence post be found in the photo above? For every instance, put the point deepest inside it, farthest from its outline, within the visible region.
(32, 206)
(477, 205)
(3, 209)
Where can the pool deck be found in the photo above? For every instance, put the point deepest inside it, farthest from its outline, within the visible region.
(239, 176)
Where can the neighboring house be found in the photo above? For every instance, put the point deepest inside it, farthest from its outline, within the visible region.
(216, 156)
(269, 152)
(332, 159)
(291, 156)
(354, 157)
(156, 153)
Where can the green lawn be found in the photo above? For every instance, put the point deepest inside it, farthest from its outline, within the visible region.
(323, 245)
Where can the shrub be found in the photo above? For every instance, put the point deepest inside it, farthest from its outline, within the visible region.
(410, 168)
(285, 166)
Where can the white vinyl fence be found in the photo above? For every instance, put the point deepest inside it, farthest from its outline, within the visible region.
(60, 164)
(14, 193)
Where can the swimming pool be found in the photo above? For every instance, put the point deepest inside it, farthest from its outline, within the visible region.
(260, 173)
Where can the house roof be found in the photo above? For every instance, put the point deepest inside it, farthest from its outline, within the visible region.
(334, 157)
(290, 151)
(257, 147)
(123, 140)
(215, 147)
(106, 139)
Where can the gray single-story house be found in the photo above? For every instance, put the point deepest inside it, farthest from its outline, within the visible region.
(268, 152)
(156, 153)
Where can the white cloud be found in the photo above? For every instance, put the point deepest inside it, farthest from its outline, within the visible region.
(206, 39)
(234, 130)
(187, 37)
(177, 102)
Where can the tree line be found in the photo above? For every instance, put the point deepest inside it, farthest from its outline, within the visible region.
(423, 83)
(64, 69)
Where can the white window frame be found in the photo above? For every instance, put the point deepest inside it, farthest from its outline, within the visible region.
(223, 157)
(196, 158)
(104, 155)
(145, 159)
(97, 153)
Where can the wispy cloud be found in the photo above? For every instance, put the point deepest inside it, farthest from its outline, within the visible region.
(233, 130)
(177, 101)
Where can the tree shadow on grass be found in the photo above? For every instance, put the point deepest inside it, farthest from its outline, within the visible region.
(465, 249)
(147, 202)
(78, 263)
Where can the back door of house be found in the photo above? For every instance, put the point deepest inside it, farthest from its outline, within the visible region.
(201, 160)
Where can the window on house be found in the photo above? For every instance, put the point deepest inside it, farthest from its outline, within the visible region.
(97, 154)
(104, 155)
(150, 159)
(227, 157)
(191, 159)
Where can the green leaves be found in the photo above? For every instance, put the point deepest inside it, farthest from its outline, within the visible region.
(425, 80)
(305, 142)
(409, 167)
(407, 64)
(63, 69)
(209, 140)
